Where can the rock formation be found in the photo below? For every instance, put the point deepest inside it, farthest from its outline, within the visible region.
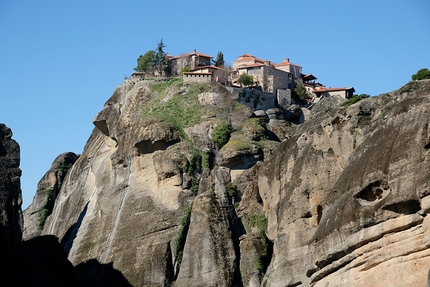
(341, 201)
(47, 191)
(38, 262)
(346, 199)
(10, 197)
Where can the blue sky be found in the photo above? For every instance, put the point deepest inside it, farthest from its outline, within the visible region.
(61, 60)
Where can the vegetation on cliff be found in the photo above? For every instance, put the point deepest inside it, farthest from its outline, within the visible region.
(421, 75)
(182, 234)
(355, 99)
(177, 108)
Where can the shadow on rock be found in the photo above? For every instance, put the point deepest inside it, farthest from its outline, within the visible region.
(93, 273)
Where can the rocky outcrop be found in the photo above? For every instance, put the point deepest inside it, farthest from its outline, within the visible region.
(10, 197)
(37, 262)
(349, 192)
(47, 191)
(340, 201)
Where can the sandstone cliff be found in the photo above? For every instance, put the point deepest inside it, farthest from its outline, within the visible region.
(341, 201)
(47, 191)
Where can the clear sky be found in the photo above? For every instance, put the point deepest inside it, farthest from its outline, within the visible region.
(60, 61)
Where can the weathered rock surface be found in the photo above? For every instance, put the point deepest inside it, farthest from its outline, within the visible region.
(343, 197)
(342, 201)
(47, 191)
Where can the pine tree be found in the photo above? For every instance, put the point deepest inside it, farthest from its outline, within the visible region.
(219, 62)
(160, 62)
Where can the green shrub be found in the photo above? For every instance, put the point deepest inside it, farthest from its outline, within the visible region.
(186, 69)
(181, 236)
(301, 91)
(199, 161)
(63, 168)
(230, 188)
(261, 262)
(258, 221)
(354, 99)
(221, 134)
(46, 210)
(421, 75)
(245, 79)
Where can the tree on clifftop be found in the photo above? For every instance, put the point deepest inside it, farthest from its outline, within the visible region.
(421, 75)
(160, 61)
(301, 91)
(145, 63)
(219, 61)
(153, 60)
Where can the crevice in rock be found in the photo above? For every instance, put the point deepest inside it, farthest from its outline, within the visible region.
(295, 284)
(147, 146)
(170, 268)
(180, 240)
(405, 207)
(102, 126)
(427, 146)
(69, 237)
(373, 192)
(237, 231)
(319, 213)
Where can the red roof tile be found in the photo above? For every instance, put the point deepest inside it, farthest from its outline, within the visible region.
(209, 67)
(286, 64)
(325, 89)
(193, 53)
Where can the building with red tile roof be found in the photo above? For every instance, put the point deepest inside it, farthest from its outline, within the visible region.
(191, 60)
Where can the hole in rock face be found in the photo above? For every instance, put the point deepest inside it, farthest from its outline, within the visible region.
(319, 213)
(405, 207)
(374, 191)
(147, 146)
(427, 146)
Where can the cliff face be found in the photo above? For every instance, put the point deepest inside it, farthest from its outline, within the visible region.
(350, 192)
(343, 199)
(36, 262)
(10, 197)
(47, 191)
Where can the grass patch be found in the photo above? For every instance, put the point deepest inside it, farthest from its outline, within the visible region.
(356, 133)
(181, 236)
(162, 86)
(261, 261)
(354, 100)
(177, 111)
(238, 145)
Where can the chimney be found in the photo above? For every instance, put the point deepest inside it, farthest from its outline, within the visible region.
(287, 60)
